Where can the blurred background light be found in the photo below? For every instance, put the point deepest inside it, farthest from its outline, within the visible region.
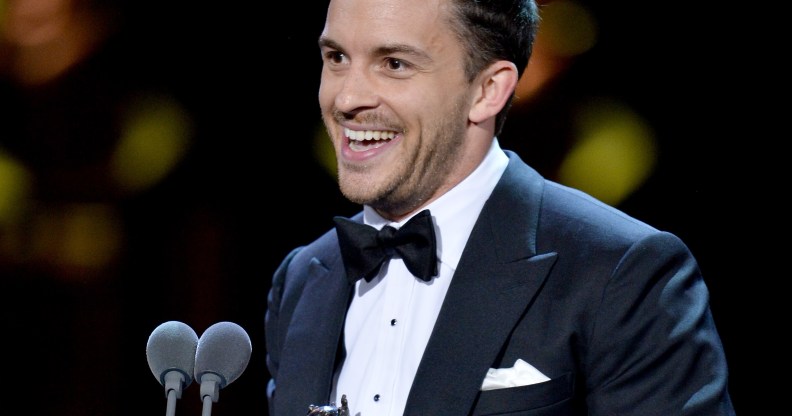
(78, 241)
(567, 30)
(14, 189)
(155, 137)
(614, 154)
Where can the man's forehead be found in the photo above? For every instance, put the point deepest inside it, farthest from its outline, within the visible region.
(376, 25)
(407, 13)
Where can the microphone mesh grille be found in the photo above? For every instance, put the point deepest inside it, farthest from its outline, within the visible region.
(224, 349)
(172, 346)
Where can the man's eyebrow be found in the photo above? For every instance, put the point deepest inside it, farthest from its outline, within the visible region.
(403, 49)
(328, 43)
(388, 49)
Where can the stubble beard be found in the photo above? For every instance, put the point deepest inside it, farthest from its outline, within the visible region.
(417, 176)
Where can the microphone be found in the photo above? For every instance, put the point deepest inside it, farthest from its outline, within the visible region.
(170, 353)
(222, 355)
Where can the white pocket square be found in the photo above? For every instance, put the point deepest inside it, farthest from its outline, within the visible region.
(522, 374)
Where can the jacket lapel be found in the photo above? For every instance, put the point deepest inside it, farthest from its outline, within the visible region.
(497, 277)
(310, 349)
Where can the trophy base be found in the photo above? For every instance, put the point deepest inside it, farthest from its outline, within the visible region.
(330, 409)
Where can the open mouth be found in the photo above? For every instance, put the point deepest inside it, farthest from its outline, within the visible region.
(360, 140)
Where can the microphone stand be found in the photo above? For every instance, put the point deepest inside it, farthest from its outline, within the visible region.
(173, 387)
(171, 409)
(210, 391)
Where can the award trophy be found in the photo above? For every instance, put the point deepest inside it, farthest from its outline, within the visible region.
(330, 409)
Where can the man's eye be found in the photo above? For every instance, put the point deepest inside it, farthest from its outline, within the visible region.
(395, 64)
(335, 57)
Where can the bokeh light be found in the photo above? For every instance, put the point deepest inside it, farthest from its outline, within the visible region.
(14, 189)
(155, 137)
(567, 30)
(614, 154)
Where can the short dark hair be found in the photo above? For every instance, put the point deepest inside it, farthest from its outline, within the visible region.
(495, 30)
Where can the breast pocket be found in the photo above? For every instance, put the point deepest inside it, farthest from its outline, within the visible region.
(552, 397)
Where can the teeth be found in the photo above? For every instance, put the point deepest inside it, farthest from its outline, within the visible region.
(357, 135)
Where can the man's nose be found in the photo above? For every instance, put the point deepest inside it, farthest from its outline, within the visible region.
(358, 91)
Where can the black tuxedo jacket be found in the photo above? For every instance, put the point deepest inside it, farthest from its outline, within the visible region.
(614, 311)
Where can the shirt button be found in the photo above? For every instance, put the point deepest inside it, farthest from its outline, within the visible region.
(393, 322)
(376, 397)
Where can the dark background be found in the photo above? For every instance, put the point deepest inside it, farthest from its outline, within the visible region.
(200, 245)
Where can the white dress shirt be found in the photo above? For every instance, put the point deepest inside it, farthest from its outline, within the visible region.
(391, 318)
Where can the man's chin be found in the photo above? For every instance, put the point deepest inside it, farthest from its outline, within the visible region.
(357, 197)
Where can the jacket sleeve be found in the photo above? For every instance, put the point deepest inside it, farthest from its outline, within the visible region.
(272, 324)
(654, 349)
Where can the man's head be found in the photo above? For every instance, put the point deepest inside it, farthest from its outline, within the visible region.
(413, 91)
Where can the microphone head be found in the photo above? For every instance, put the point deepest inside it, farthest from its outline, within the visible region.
(223, 349)
(171, 346)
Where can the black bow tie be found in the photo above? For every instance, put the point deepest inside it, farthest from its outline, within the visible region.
(364, 249)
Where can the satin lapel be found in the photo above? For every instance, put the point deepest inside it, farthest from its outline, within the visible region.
(495, 282)
(309, 352)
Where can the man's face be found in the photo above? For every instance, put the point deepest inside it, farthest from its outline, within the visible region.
(395, 101)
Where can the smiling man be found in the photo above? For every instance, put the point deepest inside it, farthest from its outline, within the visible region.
(468, 284)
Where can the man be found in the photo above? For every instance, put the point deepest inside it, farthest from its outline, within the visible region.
(537, 299)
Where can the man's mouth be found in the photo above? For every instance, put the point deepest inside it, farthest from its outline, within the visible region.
(361, 140)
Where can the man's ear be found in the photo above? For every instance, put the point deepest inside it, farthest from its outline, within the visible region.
(495, 87)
